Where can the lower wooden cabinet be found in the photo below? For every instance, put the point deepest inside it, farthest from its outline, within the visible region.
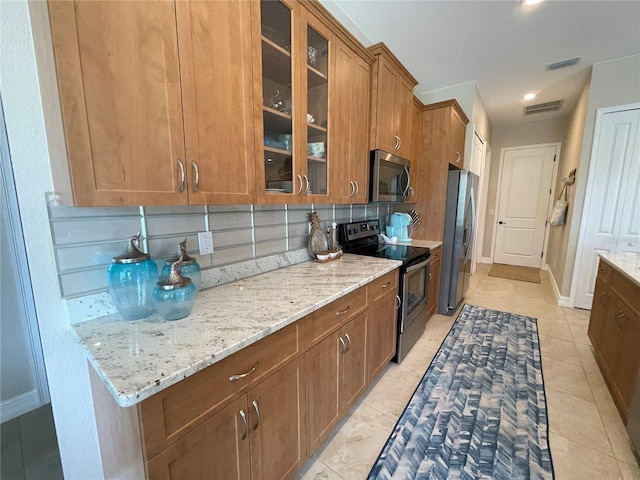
(336, 376)
(261, 435)
(434, 281)
(259, 413)
(614, 330)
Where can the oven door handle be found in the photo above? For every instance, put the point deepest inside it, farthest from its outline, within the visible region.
(418, 265)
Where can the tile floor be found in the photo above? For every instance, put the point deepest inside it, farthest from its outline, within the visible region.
(587, 437)
(29, 447)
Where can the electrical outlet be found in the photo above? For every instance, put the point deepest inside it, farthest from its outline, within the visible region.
(205, 243)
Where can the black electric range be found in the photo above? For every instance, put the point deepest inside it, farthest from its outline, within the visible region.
(361, 238)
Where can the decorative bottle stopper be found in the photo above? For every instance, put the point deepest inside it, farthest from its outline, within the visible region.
(190, 267)
(132, 254)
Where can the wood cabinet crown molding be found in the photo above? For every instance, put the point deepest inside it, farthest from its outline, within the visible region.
(448, 103)
(381, 49)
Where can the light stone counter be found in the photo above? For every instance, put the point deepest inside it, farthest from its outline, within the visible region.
(422, 243)
(627, 263)
(137, 359)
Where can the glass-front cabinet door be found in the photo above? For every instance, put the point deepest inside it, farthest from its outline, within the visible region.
(292, 114)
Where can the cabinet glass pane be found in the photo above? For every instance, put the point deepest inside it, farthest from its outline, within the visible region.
(317, 111)
(276, 94)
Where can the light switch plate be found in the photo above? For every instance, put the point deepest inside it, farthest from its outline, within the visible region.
(205, 243)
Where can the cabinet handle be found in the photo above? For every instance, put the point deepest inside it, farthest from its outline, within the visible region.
(602, 298)
(343, 347)
(618, 318)
(357, 189)
(306, 179)
(182, 178)
(353, 188)
(197, 176)
(300, 181)
(457, 157)
(240, 376)
(398, 302)
(397, 144)
(346, 310)
(348, 340)
(246, 424)
(255, 407)
(386, 285)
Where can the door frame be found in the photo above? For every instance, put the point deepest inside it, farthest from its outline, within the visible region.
(483, 185)
(554, 177)
(582, 231)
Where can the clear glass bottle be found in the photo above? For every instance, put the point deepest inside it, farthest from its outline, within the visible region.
(175, 295)
(190, 267)
(132, 276)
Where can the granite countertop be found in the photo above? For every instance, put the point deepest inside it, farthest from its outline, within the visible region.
(137, 359)
(627, 263)
(422, 243)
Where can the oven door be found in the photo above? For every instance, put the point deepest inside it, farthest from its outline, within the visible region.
(390, 177)
(415, 287)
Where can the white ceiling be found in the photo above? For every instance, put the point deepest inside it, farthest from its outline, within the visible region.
(501, 45)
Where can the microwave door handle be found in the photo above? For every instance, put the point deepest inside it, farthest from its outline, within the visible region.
(406, 190)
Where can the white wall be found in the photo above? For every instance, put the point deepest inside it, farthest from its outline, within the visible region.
(25, 120)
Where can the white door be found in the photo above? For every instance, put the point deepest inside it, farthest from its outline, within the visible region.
(611, 216)
(525, 194)
(478, 166)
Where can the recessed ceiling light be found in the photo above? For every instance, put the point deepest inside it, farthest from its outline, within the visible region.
(530, 96)
(530, 2)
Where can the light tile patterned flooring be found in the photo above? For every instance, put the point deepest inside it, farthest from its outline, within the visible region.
(587, 437)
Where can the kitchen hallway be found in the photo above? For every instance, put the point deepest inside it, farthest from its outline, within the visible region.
(586, 434)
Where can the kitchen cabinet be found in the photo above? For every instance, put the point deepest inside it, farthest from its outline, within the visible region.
(442, 141)
(336, 376)
(351, 118)
(292, 103)
(156, 110)
(434, 280)
(416, 145)
(238, 442)
(391, 103)
(383, 323)
(614, 331)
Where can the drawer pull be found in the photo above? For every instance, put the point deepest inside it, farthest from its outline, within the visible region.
(398, 302)
(348, 340)
(246, 424)
(346, 310)
(255, 407)
(386, 285)
(233, 378)
(618, 318)
(603, 297)
(343, 347)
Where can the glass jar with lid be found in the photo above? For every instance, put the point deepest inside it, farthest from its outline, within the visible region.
(131, 277)
(175, 295)
(190, 267)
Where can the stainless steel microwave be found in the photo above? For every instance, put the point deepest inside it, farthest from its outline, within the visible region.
(390, 178)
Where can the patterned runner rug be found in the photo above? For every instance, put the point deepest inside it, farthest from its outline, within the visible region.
(480, 410)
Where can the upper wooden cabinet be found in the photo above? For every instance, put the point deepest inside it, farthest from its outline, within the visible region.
(350, 108)
(156, 102)
(391, 103)
(441, 145)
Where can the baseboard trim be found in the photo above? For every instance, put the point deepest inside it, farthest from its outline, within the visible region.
(19, 405)
(562, 300)
(485, 260)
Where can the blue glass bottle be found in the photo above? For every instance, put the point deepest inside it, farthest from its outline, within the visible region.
(132, 276)
(190, 267)
(175, 295)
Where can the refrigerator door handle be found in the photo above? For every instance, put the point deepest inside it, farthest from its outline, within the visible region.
(472, 203)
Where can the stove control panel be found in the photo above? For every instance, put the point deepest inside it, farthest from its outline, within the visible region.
(354, 231)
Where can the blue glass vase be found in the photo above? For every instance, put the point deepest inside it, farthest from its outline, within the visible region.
(132, 277)
(190, 267)
(175, 295)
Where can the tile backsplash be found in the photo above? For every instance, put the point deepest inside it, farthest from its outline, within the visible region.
(86, 238)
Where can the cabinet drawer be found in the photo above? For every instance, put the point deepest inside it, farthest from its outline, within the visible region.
(173, 412)
(324, 321)
(626, 289)
(381, 286)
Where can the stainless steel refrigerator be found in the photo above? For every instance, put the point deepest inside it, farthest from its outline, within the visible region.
(457, 245)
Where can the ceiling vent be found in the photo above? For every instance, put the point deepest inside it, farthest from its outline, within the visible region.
(543, 107)
(563, 63)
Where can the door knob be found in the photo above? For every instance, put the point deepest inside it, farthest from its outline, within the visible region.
(502, 223)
